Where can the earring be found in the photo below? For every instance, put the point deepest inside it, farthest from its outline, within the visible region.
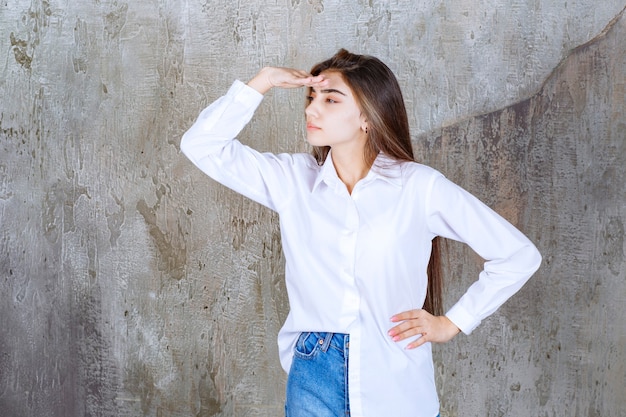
(366, 130)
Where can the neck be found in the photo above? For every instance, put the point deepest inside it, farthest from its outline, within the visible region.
(350, 166)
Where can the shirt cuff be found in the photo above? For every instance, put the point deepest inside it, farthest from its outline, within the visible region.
(462, 318)
(241, 92)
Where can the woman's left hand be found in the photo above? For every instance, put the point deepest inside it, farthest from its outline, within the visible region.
(438, 329)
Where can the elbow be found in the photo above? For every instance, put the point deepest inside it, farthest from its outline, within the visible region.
(527, 260)
(531, 259)
(186, 144)
(537, 258)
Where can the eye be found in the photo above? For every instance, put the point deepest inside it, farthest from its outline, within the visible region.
(330, 100)
(309, 98)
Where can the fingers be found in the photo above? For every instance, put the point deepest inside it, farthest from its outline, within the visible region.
(425, 326)
(270, 77)
(411, 323)
(292, 78)
(284, 77)
(406, 315)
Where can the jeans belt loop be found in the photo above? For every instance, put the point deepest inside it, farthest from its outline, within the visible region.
(326, 341)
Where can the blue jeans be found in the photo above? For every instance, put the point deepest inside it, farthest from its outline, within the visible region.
(317, 385)
(318, 379)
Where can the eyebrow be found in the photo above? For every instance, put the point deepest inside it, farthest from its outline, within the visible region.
(330, 90)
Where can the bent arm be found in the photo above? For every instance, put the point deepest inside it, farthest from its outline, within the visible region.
(211, 145)
(511, 258)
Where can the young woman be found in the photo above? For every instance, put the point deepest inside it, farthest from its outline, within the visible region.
(358, 218)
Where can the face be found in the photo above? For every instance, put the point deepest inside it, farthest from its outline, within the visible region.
(333, 116)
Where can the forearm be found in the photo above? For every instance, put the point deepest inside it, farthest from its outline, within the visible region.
(261, 82)
(220, 122)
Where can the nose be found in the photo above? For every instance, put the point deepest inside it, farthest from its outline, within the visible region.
(311, 109)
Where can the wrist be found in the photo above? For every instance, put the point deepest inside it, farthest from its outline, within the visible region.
(261, 81)
(453, 327)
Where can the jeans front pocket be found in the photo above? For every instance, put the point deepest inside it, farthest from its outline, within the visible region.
(308, 345)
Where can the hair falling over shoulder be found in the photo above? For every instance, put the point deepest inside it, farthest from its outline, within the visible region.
(434, 293)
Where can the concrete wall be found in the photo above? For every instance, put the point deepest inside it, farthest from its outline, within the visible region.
(132, 285)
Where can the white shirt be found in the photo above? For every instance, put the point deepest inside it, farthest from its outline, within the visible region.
(355, 260)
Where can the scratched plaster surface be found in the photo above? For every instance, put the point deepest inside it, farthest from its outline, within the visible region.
(555, 164)
(130, 284)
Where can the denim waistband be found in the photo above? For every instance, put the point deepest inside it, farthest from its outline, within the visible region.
(339, 341)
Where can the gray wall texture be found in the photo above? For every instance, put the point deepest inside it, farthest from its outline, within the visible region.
(132, 285)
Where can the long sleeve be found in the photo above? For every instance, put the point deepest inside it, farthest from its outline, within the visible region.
(211, 145)
(511, 258)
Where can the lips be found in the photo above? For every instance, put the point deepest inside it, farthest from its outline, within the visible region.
(311, 126)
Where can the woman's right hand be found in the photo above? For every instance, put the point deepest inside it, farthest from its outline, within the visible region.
(270, 77)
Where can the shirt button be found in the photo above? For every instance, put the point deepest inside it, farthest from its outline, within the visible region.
(321, 342)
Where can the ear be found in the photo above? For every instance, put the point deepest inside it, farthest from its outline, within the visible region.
(364, 124)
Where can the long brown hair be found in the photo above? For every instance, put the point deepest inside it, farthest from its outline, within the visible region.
(378, 94)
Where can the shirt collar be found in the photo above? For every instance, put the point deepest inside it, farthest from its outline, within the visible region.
(384, 168)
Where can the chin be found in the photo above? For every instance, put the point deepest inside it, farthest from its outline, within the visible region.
(313, 142)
